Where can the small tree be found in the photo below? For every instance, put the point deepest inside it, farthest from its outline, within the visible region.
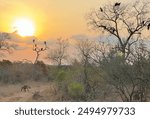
(85, 48)
(4, 43)
(38, 50)
(58, 55)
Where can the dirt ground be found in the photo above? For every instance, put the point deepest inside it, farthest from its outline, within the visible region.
(40, 91)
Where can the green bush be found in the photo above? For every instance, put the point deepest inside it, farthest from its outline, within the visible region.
(75, 90)
(61, 76)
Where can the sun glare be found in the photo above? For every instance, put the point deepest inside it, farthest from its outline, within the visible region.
(24, 27)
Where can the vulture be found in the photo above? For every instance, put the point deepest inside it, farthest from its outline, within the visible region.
(112, 29)
(103, 26)
(148, 26)
(142, 23)
(117, 4)
(101, 9)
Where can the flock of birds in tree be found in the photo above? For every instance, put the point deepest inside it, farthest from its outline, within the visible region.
(36, 48)
(117, 4)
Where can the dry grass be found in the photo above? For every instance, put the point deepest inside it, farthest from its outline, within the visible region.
(40, 91)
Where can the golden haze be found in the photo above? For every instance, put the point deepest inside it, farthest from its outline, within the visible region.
(52, 19)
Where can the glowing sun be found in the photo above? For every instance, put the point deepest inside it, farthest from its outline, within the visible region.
(24, 27)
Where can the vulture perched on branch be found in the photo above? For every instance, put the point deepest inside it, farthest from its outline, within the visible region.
(117, 4)
(101, 9)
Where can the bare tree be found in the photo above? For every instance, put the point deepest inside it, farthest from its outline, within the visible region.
(58, 55)
(100, 52)
(125, 22)
(4, 43)
(38, 50)
(85, 48)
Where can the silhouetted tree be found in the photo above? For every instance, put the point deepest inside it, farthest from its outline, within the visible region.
(38, 49)
(85, 48)
(58, 55)
(125, 22)
(4, 43)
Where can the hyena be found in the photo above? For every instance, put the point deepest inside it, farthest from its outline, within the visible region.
(25, 88)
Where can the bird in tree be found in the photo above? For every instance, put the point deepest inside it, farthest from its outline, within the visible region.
(112, 29)
(142, 23)
(148, 26)
(38, 50)
(101, 9)
(117, 4)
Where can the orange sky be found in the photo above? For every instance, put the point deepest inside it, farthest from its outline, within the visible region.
(52, 18)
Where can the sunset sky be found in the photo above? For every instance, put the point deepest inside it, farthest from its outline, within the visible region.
(51, 19)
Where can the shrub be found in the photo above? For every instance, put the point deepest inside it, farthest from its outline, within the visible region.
(75, 90)
(61, 76)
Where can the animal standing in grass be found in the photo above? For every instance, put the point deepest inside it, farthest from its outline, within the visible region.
(25, 88)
